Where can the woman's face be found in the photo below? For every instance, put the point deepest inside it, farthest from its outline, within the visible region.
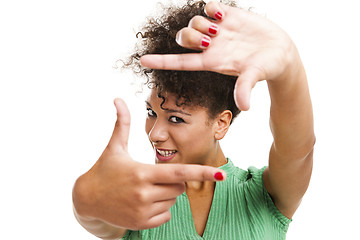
(180, 134)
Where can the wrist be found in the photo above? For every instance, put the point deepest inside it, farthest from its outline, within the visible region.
(81, 198)
(292, 65)
(293, 69)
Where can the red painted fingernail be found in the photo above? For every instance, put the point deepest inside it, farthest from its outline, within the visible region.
(218, 15)
(205, 42)
(219, 176)
(213, 29)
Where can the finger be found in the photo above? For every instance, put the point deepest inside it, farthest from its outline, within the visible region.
(160, 192)
(120, 136)
(193, 39)
(204, 26)
(163, 192)
(183, 62)
(215, 10)
(177, 173)
(242, 93)
(159, 219)
(243, 87)
(160, 207)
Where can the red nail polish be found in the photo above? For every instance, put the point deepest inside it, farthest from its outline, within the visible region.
(205, 42)
(218, 15)
(218, 176)
(213, 29)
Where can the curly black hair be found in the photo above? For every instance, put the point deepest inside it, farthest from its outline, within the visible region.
(210, 90)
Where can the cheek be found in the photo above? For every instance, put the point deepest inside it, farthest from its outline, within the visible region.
(195, 139)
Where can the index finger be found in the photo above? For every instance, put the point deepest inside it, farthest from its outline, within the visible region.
(182, 62)
(177, 173)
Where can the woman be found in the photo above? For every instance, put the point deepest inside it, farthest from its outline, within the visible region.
(188, 113)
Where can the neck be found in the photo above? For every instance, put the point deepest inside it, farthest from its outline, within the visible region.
(219, 158)
(199, 187)
(196, 186)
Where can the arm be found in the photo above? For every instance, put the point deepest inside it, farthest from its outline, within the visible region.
(99, 228)
(255, 49)
(291, 123)
(118, 193)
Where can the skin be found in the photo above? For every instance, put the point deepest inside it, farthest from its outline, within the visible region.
(254, 49)
(118, 193)
(195, 137)
(188, 130)
(248, 46)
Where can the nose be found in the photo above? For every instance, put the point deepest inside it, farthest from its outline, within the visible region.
(158, 132)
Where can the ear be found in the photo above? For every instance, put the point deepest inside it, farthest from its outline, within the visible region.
(222, 124)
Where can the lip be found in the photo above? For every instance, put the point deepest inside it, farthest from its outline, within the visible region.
(164, 158)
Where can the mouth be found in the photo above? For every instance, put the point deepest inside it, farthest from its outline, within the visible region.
(164, 155)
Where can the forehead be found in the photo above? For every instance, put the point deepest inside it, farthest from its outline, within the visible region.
(169, 100)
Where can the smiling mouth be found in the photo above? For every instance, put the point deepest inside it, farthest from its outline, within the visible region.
(166, 153)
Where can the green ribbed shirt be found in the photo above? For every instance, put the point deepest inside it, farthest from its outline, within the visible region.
(241, 210)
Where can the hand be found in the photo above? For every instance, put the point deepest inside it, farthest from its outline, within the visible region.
(245, 45)
(128, 194)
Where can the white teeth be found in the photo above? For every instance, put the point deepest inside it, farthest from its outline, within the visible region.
(165, 153)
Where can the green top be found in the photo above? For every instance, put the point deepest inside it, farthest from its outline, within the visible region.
(241, 209)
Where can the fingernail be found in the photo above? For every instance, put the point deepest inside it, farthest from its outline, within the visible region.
(218, 15)
(218, 176)
(213, 29)
(205, 42)
(178, 38)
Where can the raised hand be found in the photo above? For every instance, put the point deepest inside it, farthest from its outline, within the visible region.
(238, 43)
(128, 194)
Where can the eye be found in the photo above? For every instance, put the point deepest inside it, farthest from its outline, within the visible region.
(150, 112)
(174, 119)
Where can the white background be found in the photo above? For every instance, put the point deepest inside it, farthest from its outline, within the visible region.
(58, 83)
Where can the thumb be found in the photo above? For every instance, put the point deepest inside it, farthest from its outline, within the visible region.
(243, 87)
(120, 136)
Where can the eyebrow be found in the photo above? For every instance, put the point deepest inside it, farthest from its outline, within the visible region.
(170, 110)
